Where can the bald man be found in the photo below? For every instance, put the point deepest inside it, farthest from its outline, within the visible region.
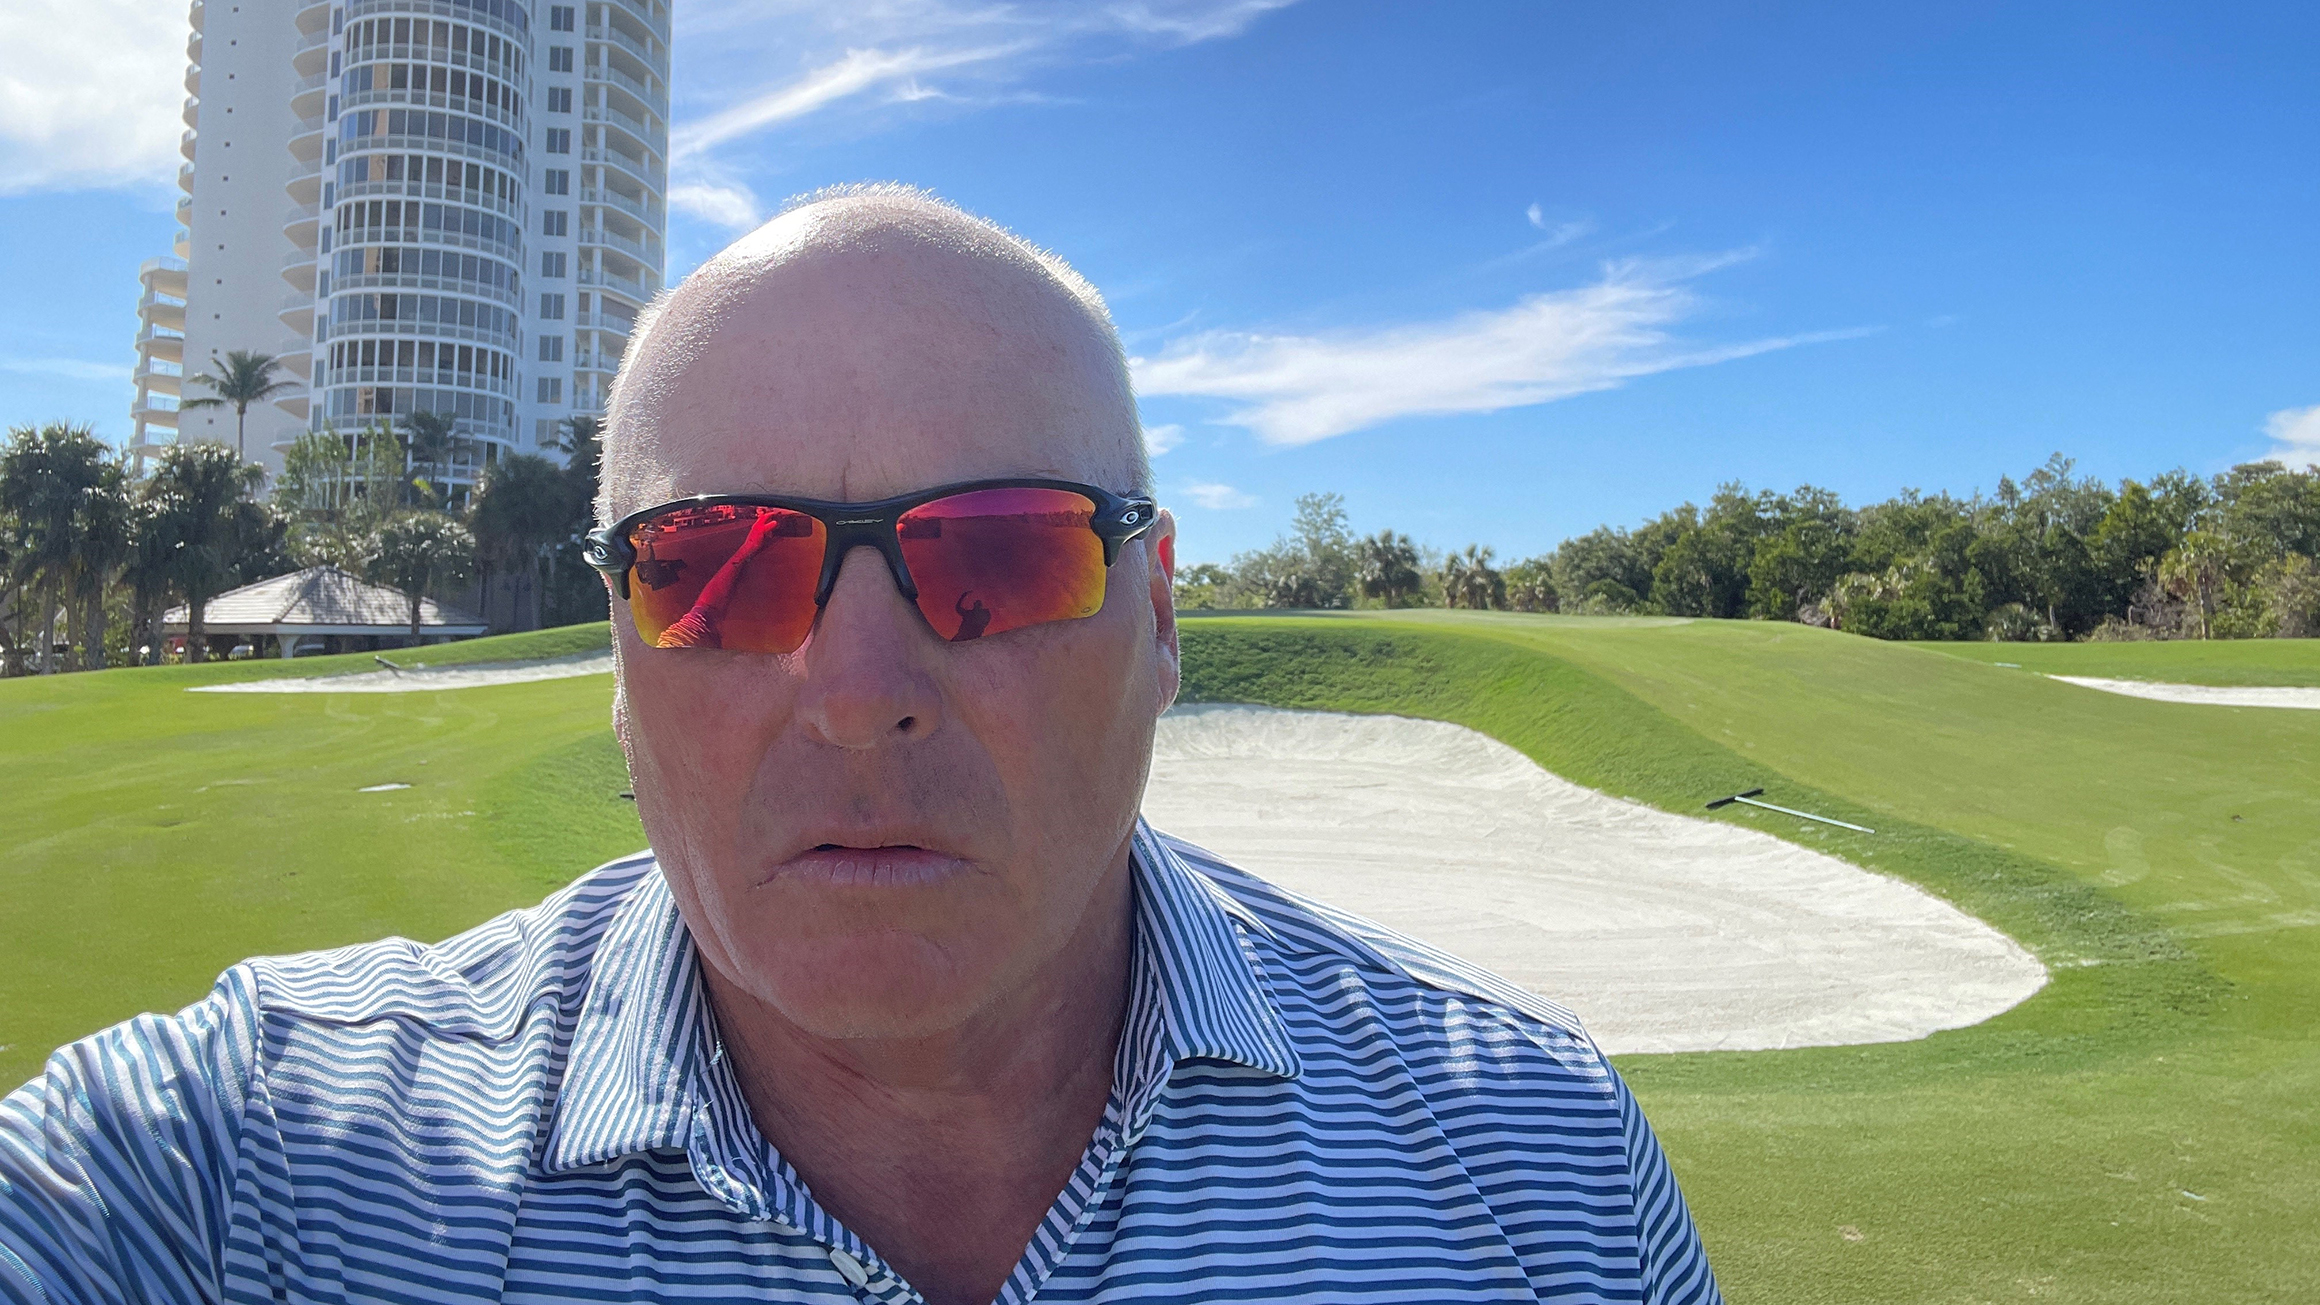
(905, 1002)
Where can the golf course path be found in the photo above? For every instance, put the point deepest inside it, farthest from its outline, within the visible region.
(2213, 695)
(1664, 932)
(423, 680)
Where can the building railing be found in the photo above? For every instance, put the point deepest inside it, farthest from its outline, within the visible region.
(185, 144)
(165, 263)
(634, 249)
(311, 41)
(605, 72)
(153, 299)
(594, 195)
(418, 190)
(430, 100)
(155, 332)
(626, 42)
(398, 8)
(604, 322)
(313, 83)
(656, 141)
(599, 277)
(657, 24)
(510, 297)
(637, 168)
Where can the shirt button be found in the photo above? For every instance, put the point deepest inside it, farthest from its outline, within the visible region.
(849, 1268)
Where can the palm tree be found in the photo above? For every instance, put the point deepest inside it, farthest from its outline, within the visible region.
(46, 474)
(202, 495)
(419, 551)
(246, 377)
(428, 439)
(522, 511)
(149, 571)
(102, 527)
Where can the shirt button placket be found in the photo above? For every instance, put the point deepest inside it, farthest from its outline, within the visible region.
(850, 1269)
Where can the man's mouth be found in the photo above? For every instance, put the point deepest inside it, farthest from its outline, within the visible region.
(884, 865)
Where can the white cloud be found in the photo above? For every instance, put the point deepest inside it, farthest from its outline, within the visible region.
(2296, 432)
(1537, 216)
(728, 205)
(1293, 389)
(90, 93)
(1160, 439)
(927, 55)
(71, 369)
(1216, 497)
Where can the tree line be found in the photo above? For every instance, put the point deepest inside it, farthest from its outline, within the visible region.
(92, 555)
(2053, 556)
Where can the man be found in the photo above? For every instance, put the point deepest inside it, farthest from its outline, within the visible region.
(905, 1003)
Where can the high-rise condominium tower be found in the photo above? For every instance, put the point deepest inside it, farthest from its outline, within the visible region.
(448, 206)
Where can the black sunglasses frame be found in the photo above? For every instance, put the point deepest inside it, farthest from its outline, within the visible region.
(1118, 518)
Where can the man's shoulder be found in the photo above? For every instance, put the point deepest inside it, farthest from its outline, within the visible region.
(1430, 1003)
(479, 983)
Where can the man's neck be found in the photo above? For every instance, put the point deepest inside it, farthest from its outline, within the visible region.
(946, 1152)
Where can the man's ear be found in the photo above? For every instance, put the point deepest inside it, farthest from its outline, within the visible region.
(1164, 607)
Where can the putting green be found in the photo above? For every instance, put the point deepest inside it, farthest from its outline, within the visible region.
(2143, 1129)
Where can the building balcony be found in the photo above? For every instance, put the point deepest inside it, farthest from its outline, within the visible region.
(163, 276)
(637, 209)
(296, 260)
(643, 173)
(306, 139)
(637, 250)
(641, 49)
(297, 313)
(647, 138)
(618, 284)
(192, 114)
(311, 41)
(161, 310)
(161, 342)
(301, 222)
(193, 15)
(155, 410)
(193, 47)
(657, 101)
(159, 375)
(620, 326)
(185, 177)
(643, 12)
(185, 144)
(193, 80)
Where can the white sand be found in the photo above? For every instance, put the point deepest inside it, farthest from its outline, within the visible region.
(2213, 695)
(1664, 932)
(427, 681)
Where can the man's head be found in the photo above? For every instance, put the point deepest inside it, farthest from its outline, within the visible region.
(881, 833)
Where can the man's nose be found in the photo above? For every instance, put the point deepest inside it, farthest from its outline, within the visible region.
(867, 677)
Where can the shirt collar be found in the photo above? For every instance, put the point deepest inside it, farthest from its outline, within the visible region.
(639, 1069)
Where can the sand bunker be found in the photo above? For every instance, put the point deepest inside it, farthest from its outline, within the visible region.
(2213, 695)
(427, 681)
(1664, 932)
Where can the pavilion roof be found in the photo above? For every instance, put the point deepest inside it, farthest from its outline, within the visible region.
(322, 599)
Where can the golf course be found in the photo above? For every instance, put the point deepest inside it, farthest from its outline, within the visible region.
(2145, 1128)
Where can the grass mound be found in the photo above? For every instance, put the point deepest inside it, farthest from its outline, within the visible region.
(2144, 1129)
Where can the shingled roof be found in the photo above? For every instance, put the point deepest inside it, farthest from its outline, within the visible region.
(322, 600)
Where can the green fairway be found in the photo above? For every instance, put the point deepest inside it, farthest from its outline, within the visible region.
(2143, 1129)
(2177, 661)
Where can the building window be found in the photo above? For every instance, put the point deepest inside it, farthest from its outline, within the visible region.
(559, 182)
(556, 222)
(551, 389)
(552, 264)
(559, 58)
(559, 140)
(551, 308)
(551, 348)
(559, 99)
(560, 18)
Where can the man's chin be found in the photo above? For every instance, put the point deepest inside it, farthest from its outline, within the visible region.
(886, 983)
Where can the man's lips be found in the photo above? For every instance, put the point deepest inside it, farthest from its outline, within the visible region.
(890, 865)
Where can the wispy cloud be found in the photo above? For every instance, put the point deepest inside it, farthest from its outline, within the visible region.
(1160, 439)
(1296, 389)
(852, 60)
(1219, 498)
(90, 93)
(71, 369)
(2295, 433)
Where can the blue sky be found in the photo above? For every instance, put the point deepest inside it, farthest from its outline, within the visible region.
(1496, 272)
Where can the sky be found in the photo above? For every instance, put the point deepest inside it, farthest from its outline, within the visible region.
(1496, 272)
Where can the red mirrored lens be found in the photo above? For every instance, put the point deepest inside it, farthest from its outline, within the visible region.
(734, 577)
(993, 560)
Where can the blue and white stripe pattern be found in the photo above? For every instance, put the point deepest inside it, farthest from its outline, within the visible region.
(1305, 1108)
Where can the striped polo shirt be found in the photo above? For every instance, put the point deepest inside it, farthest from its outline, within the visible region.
(1305, 1107)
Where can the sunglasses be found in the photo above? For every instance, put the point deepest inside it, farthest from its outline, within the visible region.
(748, 572)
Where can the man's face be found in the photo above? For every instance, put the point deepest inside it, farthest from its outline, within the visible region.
(881, 834)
